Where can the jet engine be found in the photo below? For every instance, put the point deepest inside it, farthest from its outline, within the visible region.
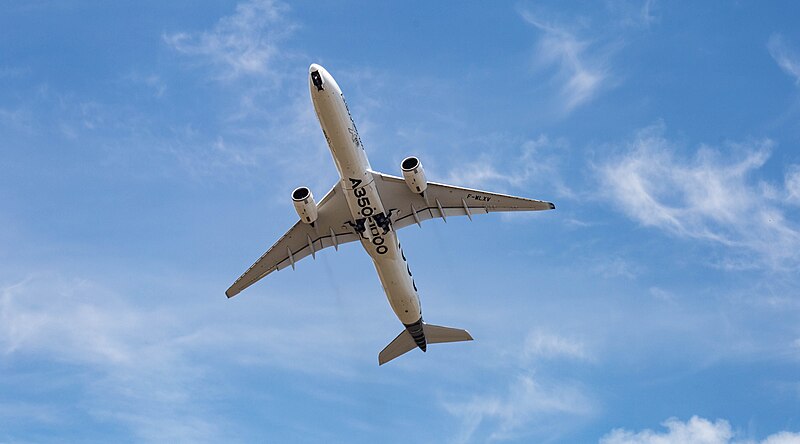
(414, 175)
(305, 205)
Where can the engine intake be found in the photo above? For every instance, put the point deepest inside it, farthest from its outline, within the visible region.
(305, 205)
(414, 174)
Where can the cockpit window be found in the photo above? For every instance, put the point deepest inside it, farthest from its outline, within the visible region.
(316, 79)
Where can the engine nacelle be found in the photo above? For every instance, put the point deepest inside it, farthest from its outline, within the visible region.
(414, 175)
(305, 205)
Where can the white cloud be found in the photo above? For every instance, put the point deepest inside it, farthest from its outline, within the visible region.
(19, 119)
(661, 294)
(259, 120)
(785, 57)
(782, 438)
(134, 356)
(633, 13)
(542, 345)
(646, 13)
(154, 371)
(580, 74)
(537, 163)
(525, 404)
(245, 43)
(13, 72)
(477, 173)
(697, 431)
(202, 157)
(612, 267)
(152, 82)
(528, 407)
(709, 197)
(792, 184)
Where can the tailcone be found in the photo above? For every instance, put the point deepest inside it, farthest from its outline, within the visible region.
(418, 333)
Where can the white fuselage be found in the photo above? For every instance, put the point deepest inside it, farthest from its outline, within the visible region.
(369, 216)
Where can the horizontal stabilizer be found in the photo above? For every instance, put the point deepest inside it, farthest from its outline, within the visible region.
(433, 334)
(436, 334)
(401, 345)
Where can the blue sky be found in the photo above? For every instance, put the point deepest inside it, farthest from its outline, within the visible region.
(147, 154)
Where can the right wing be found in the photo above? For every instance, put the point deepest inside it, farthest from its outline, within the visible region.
(302, 240)
(443, 200)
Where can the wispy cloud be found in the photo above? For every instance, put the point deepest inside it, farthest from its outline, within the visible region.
(529, 407)
(530, 403)
(785, 57)
(153, 82)
(18, 119)
(151, 370)
(46, 112)
(695, 430)
(13, 72)
(707, 197)
(543, 345)
(661, 294)
(245, 43)
(792, 184)
(611, 267)
(134, 355)
(258, 120)
(537, 162)
(646, 12)
(633, 13)
(202, 157)
(580, 73)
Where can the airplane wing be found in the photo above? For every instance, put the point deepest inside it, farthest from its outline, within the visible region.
(445, 200)
(302, 240)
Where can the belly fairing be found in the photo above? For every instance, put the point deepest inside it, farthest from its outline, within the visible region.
(370, 219)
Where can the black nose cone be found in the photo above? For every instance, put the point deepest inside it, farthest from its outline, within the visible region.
(316, 79)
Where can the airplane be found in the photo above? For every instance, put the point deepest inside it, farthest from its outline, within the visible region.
(368, 206)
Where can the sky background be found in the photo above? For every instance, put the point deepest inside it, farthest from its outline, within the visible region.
(147, 154)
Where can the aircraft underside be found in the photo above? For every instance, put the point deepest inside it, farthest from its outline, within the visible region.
(370, 207)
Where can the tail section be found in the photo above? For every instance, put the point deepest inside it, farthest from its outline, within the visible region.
(401, 345)
(418, 335)
(436, 334)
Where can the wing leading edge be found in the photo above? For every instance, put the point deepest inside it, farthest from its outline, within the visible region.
(330, 229)
(302, 240)
(442, 201)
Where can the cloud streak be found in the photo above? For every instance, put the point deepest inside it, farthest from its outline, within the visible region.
(258, 120)
(243, 44)
(708, 197)
(792, 184)
(637, 14)
(784, 56)
(695, 430)
(153, 371)
(580, 74)
(538, 162)
(530, 406)
(136, 357)
(542, 345)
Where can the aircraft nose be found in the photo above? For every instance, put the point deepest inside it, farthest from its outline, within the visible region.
(314, 67)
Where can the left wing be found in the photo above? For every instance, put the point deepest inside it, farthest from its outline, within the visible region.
(443, 200)
(302, 240)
